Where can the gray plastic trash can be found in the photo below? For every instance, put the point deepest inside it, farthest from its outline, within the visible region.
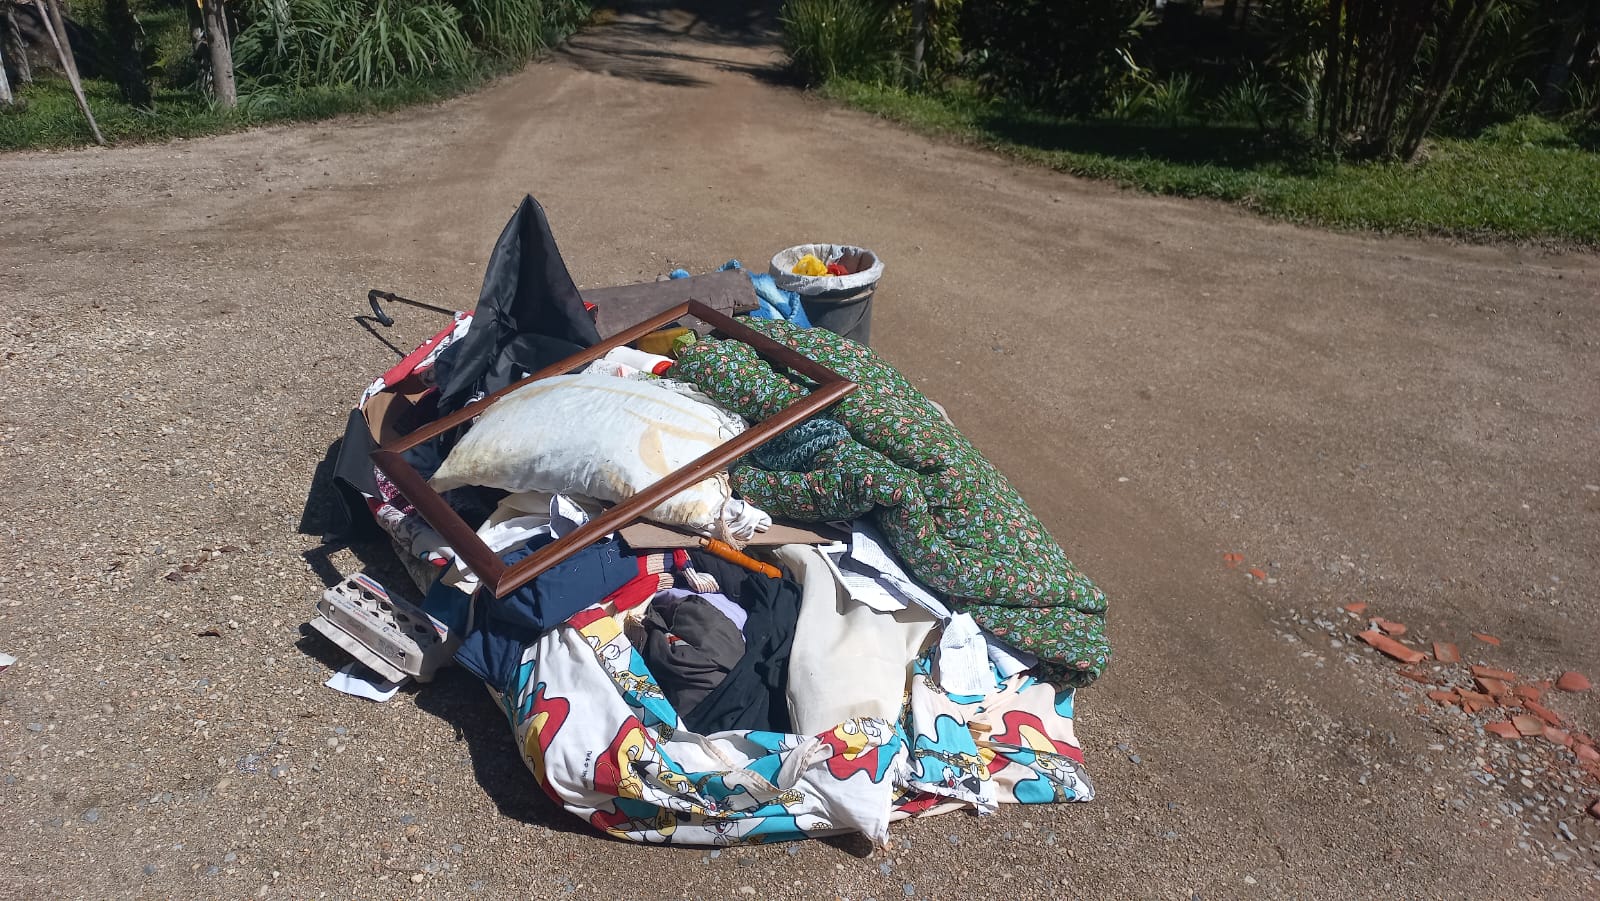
(839, 303)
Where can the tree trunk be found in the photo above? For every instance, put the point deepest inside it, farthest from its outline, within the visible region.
(16, 53)
(1453, 47)
(58, 36)
(6, 99)
(1230, 11)
(128, 37)
(1564, 43)
(221, 55)
(919, 27)
(50, 15)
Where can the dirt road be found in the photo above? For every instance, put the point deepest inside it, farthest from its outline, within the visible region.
(1408, 423)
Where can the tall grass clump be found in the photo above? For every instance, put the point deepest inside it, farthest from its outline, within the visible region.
(367, 43)
(829, 39)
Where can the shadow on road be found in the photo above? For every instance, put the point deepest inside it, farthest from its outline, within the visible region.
(638, 40)
(457, 697)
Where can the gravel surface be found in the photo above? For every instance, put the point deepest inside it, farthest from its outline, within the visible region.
(1407, 423)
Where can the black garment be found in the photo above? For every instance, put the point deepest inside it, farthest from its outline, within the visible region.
(690, 647)
(529, 315)
(730, 576)
(753, 694)
(493, 649)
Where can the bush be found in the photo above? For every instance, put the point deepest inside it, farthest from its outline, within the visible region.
(841, 39)
(1066, 56)
(300, 43)
(520, 28)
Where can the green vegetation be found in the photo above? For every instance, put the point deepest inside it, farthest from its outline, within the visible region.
(294, 60)
(1528, 179)
(1474, 118)
(839, 39)
(52, 118)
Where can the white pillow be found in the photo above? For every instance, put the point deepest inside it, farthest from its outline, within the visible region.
(595, 435)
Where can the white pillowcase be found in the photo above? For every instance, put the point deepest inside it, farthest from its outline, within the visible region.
(594, 435)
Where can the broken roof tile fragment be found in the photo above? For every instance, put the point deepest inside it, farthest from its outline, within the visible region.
(1528, 725)
(1570, 681)
(1505, 729)
(1391, 648)
(1492, 673)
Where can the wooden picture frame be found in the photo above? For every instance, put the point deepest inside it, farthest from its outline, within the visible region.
(487, 565)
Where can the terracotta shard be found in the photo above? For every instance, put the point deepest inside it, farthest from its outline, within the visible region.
(1232, 560)
(1573, 682)
(1505, 729)
(1445, 652)
(1558, 736)
(1391, 648)
(1356, 607)
(1444, 697)
(1260, 574)
(1529, 692)
(1542, 712)
(1492, 686)
(1594, 810)
(1415, 676)
(1586, 753)
(1528, 725)
(1492, 673)
(1486, 638)
(1390, 627)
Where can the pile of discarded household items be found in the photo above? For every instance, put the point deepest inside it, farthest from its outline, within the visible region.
(729, 579)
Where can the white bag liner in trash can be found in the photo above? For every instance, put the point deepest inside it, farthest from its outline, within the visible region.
(783, 262)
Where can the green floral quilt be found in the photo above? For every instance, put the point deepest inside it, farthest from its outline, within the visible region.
(955, 521)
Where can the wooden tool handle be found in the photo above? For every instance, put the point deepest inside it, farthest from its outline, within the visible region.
(735, 556)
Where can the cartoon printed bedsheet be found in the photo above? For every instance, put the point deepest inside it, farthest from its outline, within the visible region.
(599, 735)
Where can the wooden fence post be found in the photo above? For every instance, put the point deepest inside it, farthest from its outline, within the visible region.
(68, 64)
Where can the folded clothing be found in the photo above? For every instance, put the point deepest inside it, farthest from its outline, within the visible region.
(752, 696)
(690, 647)
(503, 626)
(671, 597)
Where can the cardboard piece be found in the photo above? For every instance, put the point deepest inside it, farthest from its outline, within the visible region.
(619, 307)
(649, 535)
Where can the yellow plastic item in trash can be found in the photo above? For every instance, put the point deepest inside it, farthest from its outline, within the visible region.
(810, 265)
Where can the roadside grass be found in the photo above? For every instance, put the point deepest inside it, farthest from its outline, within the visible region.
(51, 117)
(1529, 180)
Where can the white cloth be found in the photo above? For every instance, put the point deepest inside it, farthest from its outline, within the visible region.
(744, 520)
(872, 576)
(521, 517)
(848, 659)
(964, 658)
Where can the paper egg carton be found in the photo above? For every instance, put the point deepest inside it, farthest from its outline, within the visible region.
(393, 637)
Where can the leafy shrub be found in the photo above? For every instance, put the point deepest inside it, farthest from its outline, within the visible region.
(520, 28)
(841, 39)
(1173, 100)
(1066, 56)
(1250, 101)
(361, 42)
